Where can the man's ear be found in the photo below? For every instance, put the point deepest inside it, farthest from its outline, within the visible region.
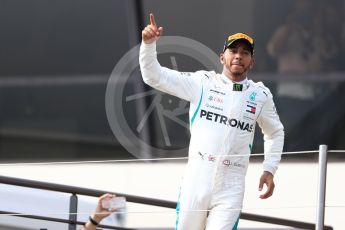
(221, 58)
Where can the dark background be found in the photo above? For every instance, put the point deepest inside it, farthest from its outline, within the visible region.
(56, 58)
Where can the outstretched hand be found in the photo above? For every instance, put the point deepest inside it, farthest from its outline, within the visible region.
(151, 32)
(267, 179)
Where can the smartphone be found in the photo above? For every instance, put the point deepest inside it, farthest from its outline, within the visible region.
(114, 203)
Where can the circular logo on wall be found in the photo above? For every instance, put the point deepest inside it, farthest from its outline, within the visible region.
(130, 106)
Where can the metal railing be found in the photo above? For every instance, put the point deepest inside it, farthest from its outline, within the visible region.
(72, 221)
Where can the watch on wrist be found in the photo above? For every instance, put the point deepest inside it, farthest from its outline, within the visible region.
(93, 221)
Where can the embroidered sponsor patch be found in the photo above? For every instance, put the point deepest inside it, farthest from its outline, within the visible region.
(252, 96)
(237, 87)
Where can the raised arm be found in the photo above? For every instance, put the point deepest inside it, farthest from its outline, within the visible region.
(180, 84)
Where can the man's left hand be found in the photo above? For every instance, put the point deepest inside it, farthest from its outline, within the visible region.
(267, 179)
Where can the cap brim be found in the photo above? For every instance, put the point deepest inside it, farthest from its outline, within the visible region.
(250, 45)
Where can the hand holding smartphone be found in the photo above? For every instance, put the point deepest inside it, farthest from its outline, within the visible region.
(114, 203)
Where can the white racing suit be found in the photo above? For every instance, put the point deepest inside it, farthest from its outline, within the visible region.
(222, 123)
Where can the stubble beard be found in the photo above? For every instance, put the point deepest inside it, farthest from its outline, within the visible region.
(238, 75)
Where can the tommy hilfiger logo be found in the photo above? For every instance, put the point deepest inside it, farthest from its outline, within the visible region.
(251, 109)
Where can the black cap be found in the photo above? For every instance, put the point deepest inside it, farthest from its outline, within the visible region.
(239, 36)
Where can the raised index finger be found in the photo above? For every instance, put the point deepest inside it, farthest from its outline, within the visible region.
(152, 20)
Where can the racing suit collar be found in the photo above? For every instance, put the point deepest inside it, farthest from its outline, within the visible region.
(236, 86)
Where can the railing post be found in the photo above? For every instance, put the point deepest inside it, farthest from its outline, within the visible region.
(321, 195)
(73, 209)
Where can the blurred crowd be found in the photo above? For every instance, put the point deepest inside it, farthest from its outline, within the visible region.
(306, 49)
(311, 39)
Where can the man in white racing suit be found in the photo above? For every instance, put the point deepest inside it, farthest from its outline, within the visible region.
(224, 109)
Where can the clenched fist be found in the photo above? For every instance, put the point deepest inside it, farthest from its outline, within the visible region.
(151, 32)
